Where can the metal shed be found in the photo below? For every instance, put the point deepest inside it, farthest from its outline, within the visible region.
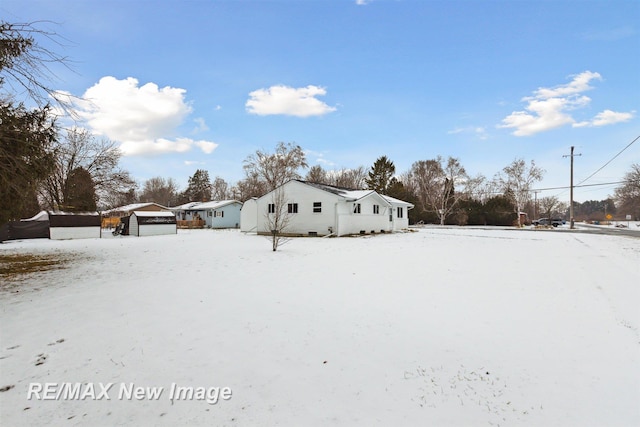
(64, 225)
(143, 223)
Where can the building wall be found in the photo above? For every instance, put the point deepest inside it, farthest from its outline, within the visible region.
(230, 219)
(336, 216)
(136, 229)
(249, 216)
(133, 226)
(64, 233)
(157, 229)
(306, 220)
(400, 223)
(366, 221)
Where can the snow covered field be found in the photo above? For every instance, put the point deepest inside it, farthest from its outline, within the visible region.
(442, 327)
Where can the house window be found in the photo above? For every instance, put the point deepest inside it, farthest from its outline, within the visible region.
(209, 213)
(400, 212)
(356, 208)
(220, 213)
(317, 207)
(292, 208)
(272, 207)
(376, 209)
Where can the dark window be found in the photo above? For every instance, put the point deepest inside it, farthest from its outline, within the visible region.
(400, 212)
(272, 207)
(317, 207)
(292, 208)
(376, 209)
(356, 208)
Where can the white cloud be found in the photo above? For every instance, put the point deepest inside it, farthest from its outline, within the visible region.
(300, 102)
(480, 132)
(362, 2)
(141, 118)
(549, 108)
(202, 125)
(606, 117)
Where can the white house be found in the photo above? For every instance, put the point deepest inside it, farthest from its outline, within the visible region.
(319, 210)
(215, 214)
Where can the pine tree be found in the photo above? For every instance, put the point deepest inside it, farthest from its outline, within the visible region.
(81, 191)
(380, 175)
(199, 188)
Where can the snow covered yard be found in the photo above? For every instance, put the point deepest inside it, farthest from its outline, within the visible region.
(444, 326)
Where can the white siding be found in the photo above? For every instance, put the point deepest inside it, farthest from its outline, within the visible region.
(133, 226)
(305, 221)
(64, 233)
(249, 216)
(230, 219)
(136, 229)
(157, 229)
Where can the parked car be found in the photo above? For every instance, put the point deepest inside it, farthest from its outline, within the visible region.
(545, 221)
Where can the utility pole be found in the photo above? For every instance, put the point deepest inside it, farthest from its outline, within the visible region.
(571, 219)
(535, 204)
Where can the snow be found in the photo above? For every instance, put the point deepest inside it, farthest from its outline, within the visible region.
(443, 326)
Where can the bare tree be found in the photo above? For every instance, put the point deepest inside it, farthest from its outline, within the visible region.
(317, 174)
(628, 194)
(278, 217)
(160, 190)
(99, 157)
(250, 186)
(439, 187)
(353, 178)
(220, 189)
(277, 168)
(516, 181)
(25, 63)
(548, 206)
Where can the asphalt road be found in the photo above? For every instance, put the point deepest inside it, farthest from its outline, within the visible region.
(632, 231)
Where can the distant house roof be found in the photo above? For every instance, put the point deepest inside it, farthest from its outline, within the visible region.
(152, 213)
(195, 206)
(136, 206)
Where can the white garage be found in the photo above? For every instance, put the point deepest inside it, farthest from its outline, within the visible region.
(143, 223)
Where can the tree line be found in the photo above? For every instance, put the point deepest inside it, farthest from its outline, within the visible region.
(44, 166)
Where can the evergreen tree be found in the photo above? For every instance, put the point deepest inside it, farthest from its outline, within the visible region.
(26, 136)
(199, 188)
(81, 191)
(380, 175)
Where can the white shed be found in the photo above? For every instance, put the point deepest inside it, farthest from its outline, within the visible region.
(143, 223)
(63, 225)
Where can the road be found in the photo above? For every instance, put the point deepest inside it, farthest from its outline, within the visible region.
(632, 231)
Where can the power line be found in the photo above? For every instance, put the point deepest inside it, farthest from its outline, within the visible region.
(612, 159)
(578, 186)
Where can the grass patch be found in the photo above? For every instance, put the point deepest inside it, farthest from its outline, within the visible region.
(15, 266)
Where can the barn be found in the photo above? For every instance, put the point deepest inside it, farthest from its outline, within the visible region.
(145, 223)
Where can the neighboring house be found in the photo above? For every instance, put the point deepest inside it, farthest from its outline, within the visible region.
(320, 210)
(215, 214)
(129, 209)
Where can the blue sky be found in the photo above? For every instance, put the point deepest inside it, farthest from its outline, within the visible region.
(186, 85)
